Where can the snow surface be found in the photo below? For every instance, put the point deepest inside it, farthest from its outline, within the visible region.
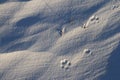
(37, 36)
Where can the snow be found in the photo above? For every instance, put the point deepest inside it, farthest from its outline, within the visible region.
(59, 40)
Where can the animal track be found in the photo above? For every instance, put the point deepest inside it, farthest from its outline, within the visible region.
(93, 19)
(62, 31)
(65, 63)
(87, 51)
(115, 6)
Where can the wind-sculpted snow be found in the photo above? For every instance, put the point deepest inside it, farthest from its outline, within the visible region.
(59, 39)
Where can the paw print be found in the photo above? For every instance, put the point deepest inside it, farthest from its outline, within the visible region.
(87, 51)
(65, 64)
(114, 7)
(62, 31)
(92, 19)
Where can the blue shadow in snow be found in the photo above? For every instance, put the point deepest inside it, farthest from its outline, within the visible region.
(107, 33)
(24, 0)
(113, 67)
(29, 21)
(18, 32)
(4, 1)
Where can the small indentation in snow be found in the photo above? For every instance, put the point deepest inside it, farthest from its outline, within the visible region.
(84, 26)
(66, 67)
(62, 66)
(64, 61)
(68, 63)
(97, 18)
(62, 31)
(92, 18)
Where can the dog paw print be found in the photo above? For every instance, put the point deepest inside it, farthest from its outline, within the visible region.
(114, 6)
(65, 64)
(92, 19)
(87, 51)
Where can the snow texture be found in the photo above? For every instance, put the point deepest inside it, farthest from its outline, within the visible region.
(59, 40)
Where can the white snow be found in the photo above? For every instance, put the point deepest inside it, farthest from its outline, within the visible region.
(38, 41)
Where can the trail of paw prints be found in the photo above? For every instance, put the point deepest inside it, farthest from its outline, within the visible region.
(93, 19)
(115, 7)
